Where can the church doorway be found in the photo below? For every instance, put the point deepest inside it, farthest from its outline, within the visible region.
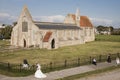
(53, 44)
(24, 43)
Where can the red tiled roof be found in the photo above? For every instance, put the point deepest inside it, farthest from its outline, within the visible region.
(47, 36)
(84, 20)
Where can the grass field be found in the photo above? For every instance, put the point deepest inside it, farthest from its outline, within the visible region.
(103, 45)
(112, 38)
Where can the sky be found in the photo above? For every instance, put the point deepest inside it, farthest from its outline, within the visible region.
(100, 12)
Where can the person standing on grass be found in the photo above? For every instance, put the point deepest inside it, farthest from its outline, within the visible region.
(25, 63)
(38, 73)
(117, 61)
(109, 59)
(94, 61)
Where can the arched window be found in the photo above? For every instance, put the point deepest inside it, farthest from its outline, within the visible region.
(24, 26)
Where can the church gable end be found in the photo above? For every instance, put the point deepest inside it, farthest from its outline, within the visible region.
(84, 20)
(25, 13)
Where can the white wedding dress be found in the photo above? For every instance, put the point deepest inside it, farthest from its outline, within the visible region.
(117, 60)
(38, 73)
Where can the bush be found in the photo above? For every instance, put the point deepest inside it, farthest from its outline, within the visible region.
(116, 33)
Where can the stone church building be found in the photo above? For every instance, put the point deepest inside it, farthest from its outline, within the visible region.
(74, 30)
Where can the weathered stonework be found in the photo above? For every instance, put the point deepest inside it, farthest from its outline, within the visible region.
(28, 33)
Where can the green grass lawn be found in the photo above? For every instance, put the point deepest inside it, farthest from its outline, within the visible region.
(102, 45)
(112, 38)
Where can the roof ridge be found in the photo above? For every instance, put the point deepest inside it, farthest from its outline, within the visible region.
(52, 23)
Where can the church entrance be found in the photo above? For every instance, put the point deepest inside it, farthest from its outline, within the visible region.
(24, 43)
(53, 44)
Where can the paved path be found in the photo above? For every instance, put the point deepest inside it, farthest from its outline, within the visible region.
(112, 75)
(63, 73)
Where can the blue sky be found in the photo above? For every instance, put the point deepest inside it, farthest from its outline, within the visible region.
(100, 12)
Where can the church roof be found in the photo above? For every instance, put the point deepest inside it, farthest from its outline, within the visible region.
(84, 20)
(47, 36)
(48, 25)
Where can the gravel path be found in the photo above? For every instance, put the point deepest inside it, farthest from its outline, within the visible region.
(63, 73)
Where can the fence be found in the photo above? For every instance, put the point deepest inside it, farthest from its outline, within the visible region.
(56, 65)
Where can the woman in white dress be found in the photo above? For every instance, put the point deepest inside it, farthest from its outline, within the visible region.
(117, 61)
(38, 73)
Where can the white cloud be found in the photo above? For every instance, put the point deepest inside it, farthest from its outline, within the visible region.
(98, 21)
(54, 18)
(6, 18)
(105, 22)
(4, 15)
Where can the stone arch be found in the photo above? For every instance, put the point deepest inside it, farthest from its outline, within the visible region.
(53, 41)
(24, 43)
(53, 44)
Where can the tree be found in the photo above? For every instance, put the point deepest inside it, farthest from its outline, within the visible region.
(14, 23)
(100, 28)
(3, 24)
(111, 28)
(6, 32)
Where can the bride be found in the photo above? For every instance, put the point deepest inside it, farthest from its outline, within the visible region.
(38, 73)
